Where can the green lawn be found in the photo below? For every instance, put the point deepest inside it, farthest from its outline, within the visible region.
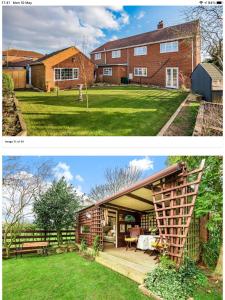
(64, 277)
(114, 111)
(71, 277)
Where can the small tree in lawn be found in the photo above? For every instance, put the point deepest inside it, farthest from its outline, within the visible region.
(55, 209)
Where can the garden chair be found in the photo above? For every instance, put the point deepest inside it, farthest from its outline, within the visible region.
(160, 247)
(135, 232)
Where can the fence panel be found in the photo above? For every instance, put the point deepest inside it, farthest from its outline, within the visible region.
(29, 236)
(18, 76)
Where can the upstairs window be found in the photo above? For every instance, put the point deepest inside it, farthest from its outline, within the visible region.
(116, 54)
(169, 47)
(66, 73)
(140, 72)
(107, 71)
(98, 56)
(140, 51)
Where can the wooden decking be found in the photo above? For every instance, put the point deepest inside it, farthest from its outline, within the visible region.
(134, 265)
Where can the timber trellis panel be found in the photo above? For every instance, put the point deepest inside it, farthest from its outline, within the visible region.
(91, 218)
(174, 199)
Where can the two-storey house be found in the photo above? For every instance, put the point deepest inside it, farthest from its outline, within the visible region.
(165, 57)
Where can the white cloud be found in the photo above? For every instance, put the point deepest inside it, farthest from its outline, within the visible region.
(140, 15)
(62, 170)
(79, 178)
(143, 164)
(113, 38)
(52, 27)
(124, 19)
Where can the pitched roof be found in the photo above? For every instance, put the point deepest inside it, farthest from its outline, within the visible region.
(140, 184)
(22, 53)
(64, 56)
(50, 55)
(21, 63)
(213, 71)
(167, 33)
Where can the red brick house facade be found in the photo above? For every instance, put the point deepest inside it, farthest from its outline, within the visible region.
(165, 57)
(65, 69)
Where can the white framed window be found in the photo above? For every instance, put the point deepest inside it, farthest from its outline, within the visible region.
(116, 54)
(140, 51)
(140, 72)
(107, 71)
(66, 74)
(98, 56)
(169, 47)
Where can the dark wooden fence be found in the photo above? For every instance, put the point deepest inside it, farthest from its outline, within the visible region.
(29, 236)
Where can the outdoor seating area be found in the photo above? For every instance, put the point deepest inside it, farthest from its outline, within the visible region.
(39, 247)
(154, 216)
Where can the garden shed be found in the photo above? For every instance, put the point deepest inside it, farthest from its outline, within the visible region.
(163, 202)
(207, 80)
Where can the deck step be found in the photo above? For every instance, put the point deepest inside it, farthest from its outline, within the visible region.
(122, 266)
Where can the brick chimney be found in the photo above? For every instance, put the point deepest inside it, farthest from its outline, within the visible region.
(160, 25)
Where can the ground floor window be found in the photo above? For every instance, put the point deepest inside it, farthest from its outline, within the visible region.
(66, 73)
(172, 77)
(140, 72)
(107, 71)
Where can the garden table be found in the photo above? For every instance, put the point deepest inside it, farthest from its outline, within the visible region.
(145, 241)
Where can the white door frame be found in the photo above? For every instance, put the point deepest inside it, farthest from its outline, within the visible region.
(172, 86)
(116, 245)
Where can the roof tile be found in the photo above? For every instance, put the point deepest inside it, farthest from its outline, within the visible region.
(167, 33)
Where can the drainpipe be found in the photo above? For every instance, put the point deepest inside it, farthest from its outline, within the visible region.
(105, 56)
(127, 62)
(192, 55)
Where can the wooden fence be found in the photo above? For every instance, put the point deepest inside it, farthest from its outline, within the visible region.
(18, 76)
(29, 236)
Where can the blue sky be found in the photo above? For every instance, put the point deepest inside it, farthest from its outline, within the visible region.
(50, 28)
(86, 171)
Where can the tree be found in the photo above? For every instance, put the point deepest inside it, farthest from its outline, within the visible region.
(209, 202)
(20, 187)
(116, 180)
(55, 209)
(211, 25)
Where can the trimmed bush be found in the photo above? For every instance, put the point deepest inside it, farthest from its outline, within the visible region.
(7, 84)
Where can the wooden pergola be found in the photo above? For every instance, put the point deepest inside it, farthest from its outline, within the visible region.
(166, 199)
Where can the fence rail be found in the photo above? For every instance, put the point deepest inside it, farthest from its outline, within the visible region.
(29, 236)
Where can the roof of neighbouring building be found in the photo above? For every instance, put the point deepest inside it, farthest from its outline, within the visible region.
(168, 33)
(67, 54)
(50, 55)
(213, 71)
(16, 64)
(22, 53)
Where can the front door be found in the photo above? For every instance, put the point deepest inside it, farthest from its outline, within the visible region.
(172, 78)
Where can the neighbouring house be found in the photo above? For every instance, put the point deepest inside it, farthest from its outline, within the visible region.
(65, 69)
(164, 57)
(16, 62)
(18, 55)
(161, 206)
(207, 80)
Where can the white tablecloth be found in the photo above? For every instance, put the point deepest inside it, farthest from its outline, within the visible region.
(145, 241)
